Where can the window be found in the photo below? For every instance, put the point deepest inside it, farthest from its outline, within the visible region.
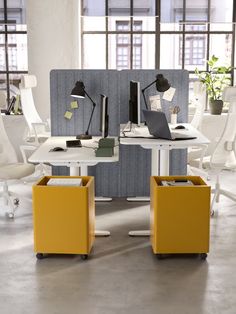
(13, 47)
(123, 45)
(160, 34)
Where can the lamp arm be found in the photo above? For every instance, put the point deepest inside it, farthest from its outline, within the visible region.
(94, 105)
(143, 93)
(143, 90)
(144, 98)
(89, 97)
(87, 131)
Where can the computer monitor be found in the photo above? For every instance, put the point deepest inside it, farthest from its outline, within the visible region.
(104, 118)
(134, 103)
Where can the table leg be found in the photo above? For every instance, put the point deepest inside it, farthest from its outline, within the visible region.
(165, 163)
(154, 172)
(83, 171)
(157, 159)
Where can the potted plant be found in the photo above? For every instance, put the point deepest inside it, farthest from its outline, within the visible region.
(215, 80)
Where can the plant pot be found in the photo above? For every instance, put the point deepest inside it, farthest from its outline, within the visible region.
(216, 106)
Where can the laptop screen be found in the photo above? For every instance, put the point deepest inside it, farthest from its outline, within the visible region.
(157, 124)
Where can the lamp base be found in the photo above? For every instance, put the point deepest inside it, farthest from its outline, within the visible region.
(84, 137)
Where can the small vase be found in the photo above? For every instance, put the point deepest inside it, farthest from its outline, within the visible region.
(173, 118)
(216, 106)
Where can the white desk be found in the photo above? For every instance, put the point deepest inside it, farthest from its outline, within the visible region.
(160, 152)
(77, 159)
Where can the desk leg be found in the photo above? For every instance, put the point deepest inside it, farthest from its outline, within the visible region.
(165, 163)
(83, 171)
(154, 172)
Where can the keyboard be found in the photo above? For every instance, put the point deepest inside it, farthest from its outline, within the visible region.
(73, 143)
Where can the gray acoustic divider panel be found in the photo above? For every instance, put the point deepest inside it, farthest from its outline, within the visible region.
(130, 176)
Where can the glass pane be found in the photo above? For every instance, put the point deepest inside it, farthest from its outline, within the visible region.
(192, 98)
(93, 23)
(195, 52)
(94, 8)
(14, 84)
(171, 11)
(144, 23)
(3, 92)
(2, 53)
(119, 51)
(1, 11)
(221, 47)
(174, 27)
(195, 26)
(94, 51)
(143, 8)
(119, 8)
(221, 11)
(170, 52)
(17, 52)
(119, 23)
(144, 51)
(221, 27)
(196, 12)
(16, 11)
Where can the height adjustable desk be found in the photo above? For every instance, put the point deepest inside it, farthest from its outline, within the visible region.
(77, 159)
(160, 152)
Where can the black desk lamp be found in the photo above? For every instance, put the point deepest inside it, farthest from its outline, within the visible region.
(79, 92)
(162, 85)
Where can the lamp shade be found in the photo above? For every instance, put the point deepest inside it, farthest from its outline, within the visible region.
(162, 83)
(79, 90)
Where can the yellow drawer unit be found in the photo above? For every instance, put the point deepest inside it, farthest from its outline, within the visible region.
(179, 215)
(64, 217)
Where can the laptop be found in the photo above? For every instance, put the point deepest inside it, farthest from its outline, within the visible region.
(158, 127)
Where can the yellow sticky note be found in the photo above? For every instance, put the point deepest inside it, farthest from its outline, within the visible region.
(68, 115)
(74, 104)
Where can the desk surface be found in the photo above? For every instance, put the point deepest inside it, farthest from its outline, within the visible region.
(81, 155)
(162, 143)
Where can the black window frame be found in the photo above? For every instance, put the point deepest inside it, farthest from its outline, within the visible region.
(158, 32)
(6, 32)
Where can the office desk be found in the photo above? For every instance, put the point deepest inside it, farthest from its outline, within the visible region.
(160, 153)
(77, 159)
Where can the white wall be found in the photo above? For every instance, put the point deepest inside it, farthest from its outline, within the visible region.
(53, 37)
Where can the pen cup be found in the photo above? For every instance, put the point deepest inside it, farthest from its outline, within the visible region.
(173, 118)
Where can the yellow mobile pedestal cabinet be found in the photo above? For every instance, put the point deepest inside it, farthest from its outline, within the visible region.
(180, 216)
(64, 217)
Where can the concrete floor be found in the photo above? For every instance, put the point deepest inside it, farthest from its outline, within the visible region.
(122, 275)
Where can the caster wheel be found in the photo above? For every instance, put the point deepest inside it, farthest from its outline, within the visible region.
(203, 256)
(84, 257)
(16, 201)
(39, 256)
(11, 215)
(160, 256)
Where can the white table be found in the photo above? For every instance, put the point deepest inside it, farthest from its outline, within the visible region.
(160, 152)
(77, 159)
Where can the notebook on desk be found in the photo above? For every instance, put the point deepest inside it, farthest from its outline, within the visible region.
(158, 127)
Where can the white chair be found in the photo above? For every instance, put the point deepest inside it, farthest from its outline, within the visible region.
(229, 95)
(223, 157)
(200, 103)
(11, 169)
(37, 128)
